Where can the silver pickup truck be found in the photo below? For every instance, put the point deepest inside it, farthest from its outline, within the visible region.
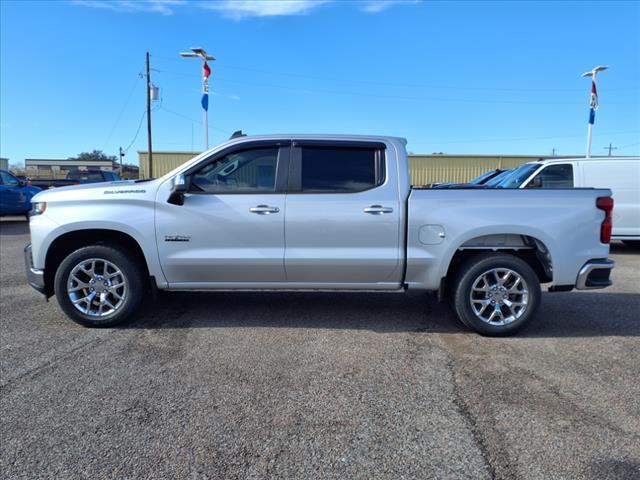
(314, 212)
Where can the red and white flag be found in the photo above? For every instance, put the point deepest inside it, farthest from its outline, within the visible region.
(206, 70)
(594, 95)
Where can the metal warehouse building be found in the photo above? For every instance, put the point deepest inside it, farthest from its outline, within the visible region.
(47, 168)
(424, 169)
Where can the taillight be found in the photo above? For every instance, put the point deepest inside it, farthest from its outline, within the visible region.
(606, 204)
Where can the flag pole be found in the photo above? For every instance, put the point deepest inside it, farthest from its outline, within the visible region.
(592, 113)
(589, 136)
(149, 143)
(593, 104)
(205, 91)
(199, 52)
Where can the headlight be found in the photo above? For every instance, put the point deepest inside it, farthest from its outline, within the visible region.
(38, 208)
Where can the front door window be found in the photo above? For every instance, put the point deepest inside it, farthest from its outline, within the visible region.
(248, 171)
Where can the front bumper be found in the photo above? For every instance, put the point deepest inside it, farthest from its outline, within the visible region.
(35, 276)
(595, 274)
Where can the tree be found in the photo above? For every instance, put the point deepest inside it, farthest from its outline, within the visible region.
(17, 169)
(95, 155)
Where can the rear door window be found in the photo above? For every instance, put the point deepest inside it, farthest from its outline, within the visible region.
(340, 169)
(553, 176)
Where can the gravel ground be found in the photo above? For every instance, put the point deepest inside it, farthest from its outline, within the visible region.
(282, 385)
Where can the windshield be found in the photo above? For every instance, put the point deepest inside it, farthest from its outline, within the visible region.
(518, 176)
(497, 179)
(85, 175)
(480, 179)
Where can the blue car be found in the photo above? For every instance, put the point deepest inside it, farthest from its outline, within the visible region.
(15, 195)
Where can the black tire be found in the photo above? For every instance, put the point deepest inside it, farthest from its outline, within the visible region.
(128, 266)
(472, 270)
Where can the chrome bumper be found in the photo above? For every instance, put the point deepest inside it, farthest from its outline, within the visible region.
(595, 274)
(35, 276)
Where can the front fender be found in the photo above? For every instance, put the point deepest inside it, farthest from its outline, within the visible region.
(45, 230)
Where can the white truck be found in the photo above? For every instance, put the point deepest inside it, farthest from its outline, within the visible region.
(314, 212)
(619, 174)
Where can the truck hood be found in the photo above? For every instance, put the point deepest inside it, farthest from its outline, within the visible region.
(102, 190)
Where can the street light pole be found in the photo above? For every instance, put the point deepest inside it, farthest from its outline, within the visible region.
(199, 52)
(593, 104)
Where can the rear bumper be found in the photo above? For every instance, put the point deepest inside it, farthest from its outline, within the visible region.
(35, 276)
(595, 274)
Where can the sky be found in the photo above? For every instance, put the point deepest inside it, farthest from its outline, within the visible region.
(451, 77)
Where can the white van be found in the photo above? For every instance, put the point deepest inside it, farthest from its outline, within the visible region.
(620, 174)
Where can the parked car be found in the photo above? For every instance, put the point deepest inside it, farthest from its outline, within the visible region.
(15, 194)
(474, 182)
(92, 176)
(77, 177)
(315, 213)
(621, 175)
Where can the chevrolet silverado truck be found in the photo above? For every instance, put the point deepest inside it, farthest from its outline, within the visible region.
(311, 212)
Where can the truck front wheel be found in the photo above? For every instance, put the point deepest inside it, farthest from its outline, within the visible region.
(496, 294)
(99, 286)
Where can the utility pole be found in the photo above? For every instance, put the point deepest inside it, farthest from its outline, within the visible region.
(593, 104)
(610, 147)
(150, 154)
(553, 152)
(121, 154)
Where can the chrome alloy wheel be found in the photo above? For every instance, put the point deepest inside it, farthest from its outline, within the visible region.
(97, 287)
(499, 296)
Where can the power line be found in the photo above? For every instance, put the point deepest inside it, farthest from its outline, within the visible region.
(144, 113)
(412, 85)
(630, 145)
(378, 95)
(211, 127)
(416, 85)
(511, 139)
(126, 103)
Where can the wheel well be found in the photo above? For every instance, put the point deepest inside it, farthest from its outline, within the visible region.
(534, 252)
(72, 241)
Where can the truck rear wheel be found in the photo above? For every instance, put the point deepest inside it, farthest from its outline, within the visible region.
(99, 286)
(496, 294)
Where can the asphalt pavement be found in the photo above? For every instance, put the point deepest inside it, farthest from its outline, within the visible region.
(318, 385)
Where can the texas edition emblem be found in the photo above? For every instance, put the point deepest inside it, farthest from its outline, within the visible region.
(176, 238)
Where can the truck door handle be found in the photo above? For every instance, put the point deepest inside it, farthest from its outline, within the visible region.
(264, 209)
(377, 210)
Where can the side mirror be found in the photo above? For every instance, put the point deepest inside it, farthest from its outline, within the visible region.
(179, 188)
(536, 182)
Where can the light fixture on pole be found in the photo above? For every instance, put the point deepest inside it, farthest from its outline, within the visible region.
(593, 104)
(199, 52)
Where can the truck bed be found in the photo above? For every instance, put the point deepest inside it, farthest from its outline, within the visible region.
(565, 223)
